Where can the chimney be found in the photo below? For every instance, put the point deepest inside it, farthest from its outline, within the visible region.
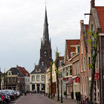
(92, 3)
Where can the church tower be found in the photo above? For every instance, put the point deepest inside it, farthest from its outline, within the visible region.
(37, 76)
(45, 51)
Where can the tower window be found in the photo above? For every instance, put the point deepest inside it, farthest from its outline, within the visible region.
(45, 53)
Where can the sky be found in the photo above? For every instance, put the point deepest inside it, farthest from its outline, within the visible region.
(21, 28)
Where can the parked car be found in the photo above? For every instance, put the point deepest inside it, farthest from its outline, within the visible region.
(6, 96)
(11, 94)
(1, 101)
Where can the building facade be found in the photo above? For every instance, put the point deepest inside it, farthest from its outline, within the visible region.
(15, 79)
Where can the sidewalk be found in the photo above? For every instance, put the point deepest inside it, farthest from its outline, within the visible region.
(65, 101)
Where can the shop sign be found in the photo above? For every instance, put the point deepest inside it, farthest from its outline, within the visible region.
(96, 76)
(64, 78)
(77, 80)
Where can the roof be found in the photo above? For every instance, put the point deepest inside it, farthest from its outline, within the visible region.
(100, 12)
(39, 69)
(23, 71)
(16, 71)
(70, 48)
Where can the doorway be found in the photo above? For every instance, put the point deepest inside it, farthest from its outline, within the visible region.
(38, 88)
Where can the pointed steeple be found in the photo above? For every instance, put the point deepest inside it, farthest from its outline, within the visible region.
(45, 31)
(92, 3)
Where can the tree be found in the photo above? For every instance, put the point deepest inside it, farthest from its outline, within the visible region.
(5, 79)
(57, 73)
(92, 41)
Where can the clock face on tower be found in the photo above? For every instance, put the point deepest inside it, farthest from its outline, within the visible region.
(45, 53)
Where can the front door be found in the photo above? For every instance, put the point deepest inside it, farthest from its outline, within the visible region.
(38, 88)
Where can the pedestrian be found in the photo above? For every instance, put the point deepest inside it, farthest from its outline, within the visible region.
(25, 93)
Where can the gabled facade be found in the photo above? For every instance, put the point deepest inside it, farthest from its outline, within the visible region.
(26, 77)
(83, 62)
(18, 79)
(96, 25)
(15, 79)
(72, 48)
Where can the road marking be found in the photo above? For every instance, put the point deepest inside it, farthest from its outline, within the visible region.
(18, 100)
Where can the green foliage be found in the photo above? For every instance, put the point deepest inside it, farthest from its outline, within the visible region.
(89, 33)
(5, 78)
(89, 41)
(51, 66)
(56, 70)
(51, 63)
(92, 41)
(56, 62)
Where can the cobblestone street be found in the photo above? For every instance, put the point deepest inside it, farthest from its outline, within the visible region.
(40, 99)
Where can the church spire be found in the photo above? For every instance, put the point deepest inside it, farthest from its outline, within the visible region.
(92, 3)
(45, 31)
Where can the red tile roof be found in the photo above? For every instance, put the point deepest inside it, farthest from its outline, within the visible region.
(72, 49)
(100, 12)
(23, 71)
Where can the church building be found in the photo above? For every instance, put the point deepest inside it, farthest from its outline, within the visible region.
(37, 76)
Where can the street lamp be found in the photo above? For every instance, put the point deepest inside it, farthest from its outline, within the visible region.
(61, 92)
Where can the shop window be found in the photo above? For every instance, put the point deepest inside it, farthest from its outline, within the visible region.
(43, 87)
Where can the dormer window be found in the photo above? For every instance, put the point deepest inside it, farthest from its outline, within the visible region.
(38, 70)
(9, 73)
(72, 54)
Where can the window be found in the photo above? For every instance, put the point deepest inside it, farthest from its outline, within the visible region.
(38, 70)
(84, 63)
(82, 47)
(42, 86)
(42, 63)
(89, 62)
(66, 71)
(33, 78)
(45, 53)
(81, 66)
(72, 54)
(77, 49)
(70, 70)
(92, 28)
(42, 78)
(38, 78)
